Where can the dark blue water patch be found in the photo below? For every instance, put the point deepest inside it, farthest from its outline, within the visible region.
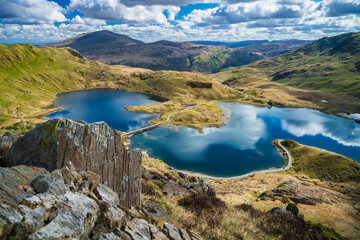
(244, 144)
(104, 105)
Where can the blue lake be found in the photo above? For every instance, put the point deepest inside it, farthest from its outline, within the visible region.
(104, 105)
(241, 146)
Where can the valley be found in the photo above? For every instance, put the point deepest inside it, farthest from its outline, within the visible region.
(199, 137)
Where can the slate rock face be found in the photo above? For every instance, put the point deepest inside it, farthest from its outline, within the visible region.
(6, 141)
(90, 147)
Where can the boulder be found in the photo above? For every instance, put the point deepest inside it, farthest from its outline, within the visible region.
(74, 219)
(91, 147)
(279, 210)
(172, 232)
(138, 229)
(156, 234)
(207, 188)
(15, 183)
(104, 193)
(292, 208)
(6, 141)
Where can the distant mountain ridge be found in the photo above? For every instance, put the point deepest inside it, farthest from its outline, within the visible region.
(230, 44)
(118, 49)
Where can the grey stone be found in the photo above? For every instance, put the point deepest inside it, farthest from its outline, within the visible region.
(172, 232)
(184, 234)
(156, 234)
(8, 218)
(207, 188)
(74, 219)
(104, 193)
(138, 229)
(91, 147)
(194, 236)
(280, 210)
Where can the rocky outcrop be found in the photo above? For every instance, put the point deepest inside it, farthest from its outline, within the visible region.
(91, 147)
(66, 204)
(296, 192)
(6, 141)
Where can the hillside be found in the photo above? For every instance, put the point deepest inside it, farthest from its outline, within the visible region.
(114, 49)
(331, 64)
(272, 49)
(30, 78)
(230, 44)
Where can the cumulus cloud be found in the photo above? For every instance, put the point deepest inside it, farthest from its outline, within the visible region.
(30, 11)
(337, 8)
(113, 10)
(152, 20)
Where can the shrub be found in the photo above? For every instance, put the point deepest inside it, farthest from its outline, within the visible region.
(209, 208)
(286, 225)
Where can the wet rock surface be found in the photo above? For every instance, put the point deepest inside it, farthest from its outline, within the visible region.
(66, 204)
(90, 147)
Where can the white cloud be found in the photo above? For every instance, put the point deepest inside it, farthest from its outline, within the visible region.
(113, 10)
(30, 11)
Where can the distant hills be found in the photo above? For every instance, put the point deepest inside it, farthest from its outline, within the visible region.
(118, 49)
(330, 64)
(230, 44)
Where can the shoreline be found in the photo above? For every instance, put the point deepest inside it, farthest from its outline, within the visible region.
(269, 170)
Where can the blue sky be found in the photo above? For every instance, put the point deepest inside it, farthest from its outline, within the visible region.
(39, 21)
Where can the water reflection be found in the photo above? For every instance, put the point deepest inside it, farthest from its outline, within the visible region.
(245, 143)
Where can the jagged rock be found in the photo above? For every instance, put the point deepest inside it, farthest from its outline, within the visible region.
(74, 219)
(184, 234)
(8, 218)
(207, 188)
(106, 194)
(280, 210)
(15, 183)
(194, 236)
(109, 236)
(52, 183)
(6, 141)
(172, 232)
(156, 212)
(138, 229)
(33, 218)
(91, 147)
(156, 234)
(292, 208)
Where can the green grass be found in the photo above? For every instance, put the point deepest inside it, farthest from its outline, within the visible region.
(316, 163)
(30, 78)
(329, 64)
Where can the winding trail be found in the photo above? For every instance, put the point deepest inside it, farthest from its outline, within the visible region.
(271, 170)
(168, 118)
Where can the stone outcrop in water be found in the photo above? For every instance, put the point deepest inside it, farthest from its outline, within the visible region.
(91, 147)
(65, 204)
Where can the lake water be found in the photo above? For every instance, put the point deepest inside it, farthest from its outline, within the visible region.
(104, 105)
(242, 146)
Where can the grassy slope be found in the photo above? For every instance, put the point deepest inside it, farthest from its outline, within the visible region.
(329, 64)
(30, 77)
(317, 163)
